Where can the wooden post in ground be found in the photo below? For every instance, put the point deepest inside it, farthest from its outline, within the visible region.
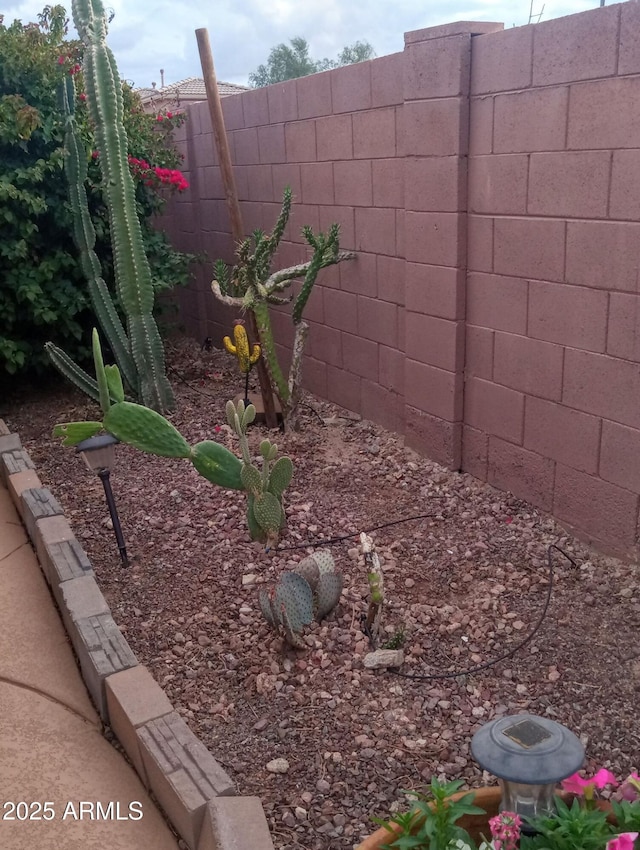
(237, 231)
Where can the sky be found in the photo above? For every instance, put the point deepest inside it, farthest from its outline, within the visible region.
(153, 34)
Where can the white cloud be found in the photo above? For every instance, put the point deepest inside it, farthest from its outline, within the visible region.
(161, 34)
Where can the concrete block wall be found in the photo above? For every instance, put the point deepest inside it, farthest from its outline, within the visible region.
(488, 180)
(552, 401)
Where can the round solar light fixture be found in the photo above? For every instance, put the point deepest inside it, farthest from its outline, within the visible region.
(529, 755)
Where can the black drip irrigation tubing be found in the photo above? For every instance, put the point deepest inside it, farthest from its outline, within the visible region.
(467, 671)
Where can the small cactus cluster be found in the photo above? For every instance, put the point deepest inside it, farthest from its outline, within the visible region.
(265, 487)
(307, 593)
(239, 347)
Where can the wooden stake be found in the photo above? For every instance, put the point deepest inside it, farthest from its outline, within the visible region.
(237, 230)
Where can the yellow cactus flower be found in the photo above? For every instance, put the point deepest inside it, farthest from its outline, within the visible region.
(240, 348)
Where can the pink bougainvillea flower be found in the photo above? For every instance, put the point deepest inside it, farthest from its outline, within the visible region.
(576, 784)
(159, 118)
(82, 96)
(61, 60)
(217, 428)
(169, 114)
(624, 841)
(95, 154)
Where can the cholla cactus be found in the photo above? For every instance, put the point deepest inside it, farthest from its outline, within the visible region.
(307, 593)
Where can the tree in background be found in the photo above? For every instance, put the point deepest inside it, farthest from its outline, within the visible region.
(43, 292)
(288, 63)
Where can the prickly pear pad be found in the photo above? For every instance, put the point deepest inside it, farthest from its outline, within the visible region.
(145, 429)
(217, 464)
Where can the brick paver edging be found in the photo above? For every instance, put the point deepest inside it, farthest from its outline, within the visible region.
(192, 788)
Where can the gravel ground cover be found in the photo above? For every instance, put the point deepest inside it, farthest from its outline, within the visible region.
(323, 741)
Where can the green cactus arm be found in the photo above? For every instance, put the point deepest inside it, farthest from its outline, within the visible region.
(280, 225)
(263, 322)
(72, 372)
(101, 375)
(112, 327)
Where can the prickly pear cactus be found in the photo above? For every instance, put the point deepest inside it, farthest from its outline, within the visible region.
(307, 593)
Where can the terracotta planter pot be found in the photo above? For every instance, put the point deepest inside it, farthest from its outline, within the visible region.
(476, 825)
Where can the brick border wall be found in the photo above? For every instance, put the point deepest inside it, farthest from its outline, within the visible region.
(488, 181)
(191, 787)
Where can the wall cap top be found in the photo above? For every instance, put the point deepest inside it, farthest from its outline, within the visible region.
(455, 28)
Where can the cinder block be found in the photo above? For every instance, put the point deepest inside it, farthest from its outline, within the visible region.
(182, 773)
(478, 352)
(245, 143)
(374, 133)
(61, 556)
(571, 315)
(232, 109)
(387, 80)
(255, 107)
(13, 462)
(479, 243)
(353, 183)
(578, 47)
(525, 474)
(481, 126)
(357, 276)
(435, 184)
(17, 484)
(391, 279)
(625, 185)
(531, 120)
(603, 254)
(325, 344)
(501, 61)
(271, 144)
(286, 175)
(559, 432)
(378, 321)
(604, 114)
(314, 95)
(360, 356)
(623, 339)
(37, 502)
(432, 390)
(497, 302)
(283, 102)
(351, 87)
(599, 510)
(341, 311)
(133, 699)
(300, 139)
(528, 365)
(498, 184)
(376, 230)
(433, 128)
(620, 456)
(334, 137)
(391, 369)
(9, 442)
(531, 248)
(435, 238)
(475, 450)
(101, 650)
(572, 183)
(235, 823)
(314, 376)
(494, 409)
(436, 438)
(437, 68)
(4, 430)
(438, 342)
(388, 182)
(382, 406)
(317, 183)
(629, 50)
(344, 388)
(604, 386)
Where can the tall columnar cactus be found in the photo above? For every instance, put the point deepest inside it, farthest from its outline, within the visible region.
(139, 351)
(307, 593)
(252, 286)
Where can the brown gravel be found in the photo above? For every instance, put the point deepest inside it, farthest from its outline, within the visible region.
(466, 584)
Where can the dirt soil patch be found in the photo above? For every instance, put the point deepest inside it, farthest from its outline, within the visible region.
(466, 584)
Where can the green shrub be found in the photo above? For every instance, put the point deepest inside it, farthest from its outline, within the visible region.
(43, 292)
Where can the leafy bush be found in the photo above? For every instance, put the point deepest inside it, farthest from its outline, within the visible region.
(43, 292)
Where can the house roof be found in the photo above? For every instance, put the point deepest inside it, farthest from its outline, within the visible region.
(191, 88)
